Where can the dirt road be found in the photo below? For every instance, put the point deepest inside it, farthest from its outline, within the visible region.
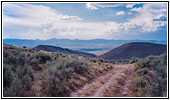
(116, 83)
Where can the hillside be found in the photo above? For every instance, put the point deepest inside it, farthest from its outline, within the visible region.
(76, 44)
(29, 72)
(35, 73)
(134, 49)
(63, 50)
(151, 76)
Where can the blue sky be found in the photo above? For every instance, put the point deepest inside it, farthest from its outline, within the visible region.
(85, 21)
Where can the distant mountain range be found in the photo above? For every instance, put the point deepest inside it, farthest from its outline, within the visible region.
(123, 52)
(134, 49)
(79, 45)
(63, 50)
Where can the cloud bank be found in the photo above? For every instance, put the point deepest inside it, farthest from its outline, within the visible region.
(29, 21)
(95, 6)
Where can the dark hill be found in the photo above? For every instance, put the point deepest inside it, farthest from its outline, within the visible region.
(63, 50)
(134, 49)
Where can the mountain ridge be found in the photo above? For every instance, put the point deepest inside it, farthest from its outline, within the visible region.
(50, 48)
(134, 49)
(76, 44)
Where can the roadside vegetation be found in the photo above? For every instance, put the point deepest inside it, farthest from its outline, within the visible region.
(56, 74)
(32, 72)
(151, 76)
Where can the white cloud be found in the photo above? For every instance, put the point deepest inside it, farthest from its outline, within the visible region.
(90, 6)
(66, 17)
(136, 9)
(130, 5)
(95, 6)
(129, 13)
(144, 19)
(158, 10)
(120, 13)
(38, 21)
(158, 17)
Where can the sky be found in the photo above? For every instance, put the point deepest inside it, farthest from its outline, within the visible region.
(119, 21)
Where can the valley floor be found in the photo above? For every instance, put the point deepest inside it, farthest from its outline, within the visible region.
(116, 83)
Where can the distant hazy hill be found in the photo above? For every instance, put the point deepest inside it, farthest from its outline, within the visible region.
(63, 50)
(135, 49)
(79, 45)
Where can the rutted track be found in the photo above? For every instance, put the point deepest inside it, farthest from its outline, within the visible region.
(115, 83)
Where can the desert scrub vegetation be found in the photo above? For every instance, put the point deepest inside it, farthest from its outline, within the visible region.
(17, 76)
(133, 60)
(151, 76)
(59, 74)
(19, 65)
(67, 73)
(123, 61)
(55, 73)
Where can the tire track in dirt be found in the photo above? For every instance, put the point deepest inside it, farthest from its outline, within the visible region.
(114, 83)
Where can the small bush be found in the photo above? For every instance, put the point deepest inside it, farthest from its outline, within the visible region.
(24, 47)
(58, 74)
(141, 63)
(14, 89)
(42, 57)
(93, 60)
(16, 76)
(153, 82)
(8, 75)
(133, 60)
(35, 63)
(101, 60)
(142, 71)
(80, 67)
(141, 82)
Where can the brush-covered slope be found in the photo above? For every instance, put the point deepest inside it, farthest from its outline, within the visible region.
(29, 72)
(63, 50)
(134, 49)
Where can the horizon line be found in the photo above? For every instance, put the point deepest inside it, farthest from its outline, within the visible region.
(85, 39)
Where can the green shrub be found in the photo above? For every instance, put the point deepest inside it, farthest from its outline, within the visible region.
(8, 75)
(54, 81)
(24, 47)
(153, 63)
(141, 63)
(80, 67)
(101, 60)
(14, 89)
(93, 60)
(35, 63)
(21, 59)
(59, 72)
(142, 70)
(10, 59)
(16, 75)
(141, 82)
(155, 76)
(42, 57)
(133, 60)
